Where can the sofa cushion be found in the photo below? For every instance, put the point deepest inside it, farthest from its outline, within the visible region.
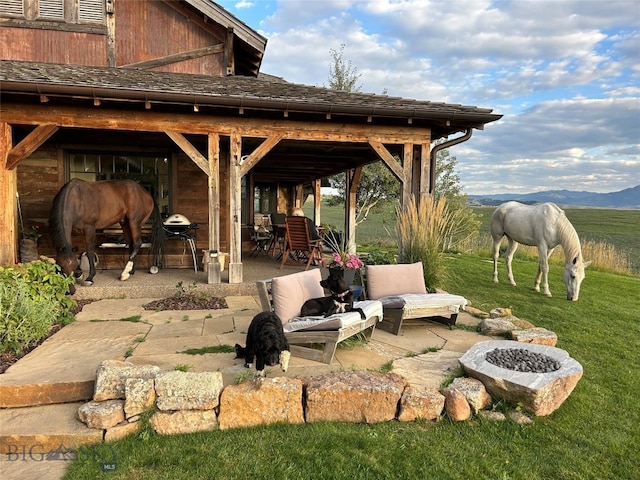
(398, 279)
(289, 292)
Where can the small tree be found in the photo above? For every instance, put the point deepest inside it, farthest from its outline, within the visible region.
(343, 75)
(465, 222)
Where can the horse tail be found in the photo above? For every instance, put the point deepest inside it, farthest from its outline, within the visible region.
(57, 227)
(157, 236)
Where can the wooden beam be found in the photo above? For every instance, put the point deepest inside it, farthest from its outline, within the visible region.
(150, 121)
(8, 205)
(30, 144)
(353, 179)
(213, 268)
(235, 210)
(193, 153)
(407, 164)
(425, 169)
(257, 155)
(389, 160)
(229, 57)
(176, 57)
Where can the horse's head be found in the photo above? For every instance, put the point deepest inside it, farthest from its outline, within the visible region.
(573, 275)
(70, 267)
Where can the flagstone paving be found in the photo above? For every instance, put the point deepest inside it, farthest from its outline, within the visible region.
(121, 329)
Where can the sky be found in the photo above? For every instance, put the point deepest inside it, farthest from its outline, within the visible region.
(564, 74)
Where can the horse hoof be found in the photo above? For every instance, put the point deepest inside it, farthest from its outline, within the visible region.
(87, 283)
(124, 276)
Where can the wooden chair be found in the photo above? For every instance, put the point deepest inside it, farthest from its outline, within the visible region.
(299, 248)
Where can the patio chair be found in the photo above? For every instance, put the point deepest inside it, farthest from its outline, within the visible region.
(402, 291)
(262, 235)
(299, 248)
(285, 296)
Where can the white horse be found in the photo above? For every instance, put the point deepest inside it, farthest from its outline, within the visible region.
(544, 226)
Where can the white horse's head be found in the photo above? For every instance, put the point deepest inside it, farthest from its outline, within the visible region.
(573, 275)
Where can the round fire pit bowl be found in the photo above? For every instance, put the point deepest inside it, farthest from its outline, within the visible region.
(538, 393)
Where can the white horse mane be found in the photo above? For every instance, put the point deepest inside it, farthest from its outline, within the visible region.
(568, 238)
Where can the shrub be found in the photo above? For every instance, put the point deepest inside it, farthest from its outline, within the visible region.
(33, 297)
(23, 318)
(422, 229)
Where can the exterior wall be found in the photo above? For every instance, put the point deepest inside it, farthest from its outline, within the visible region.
(140, 26)
(53, 46)
(41, 176)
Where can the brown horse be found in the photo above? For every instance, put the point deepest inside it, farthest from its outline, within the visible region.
(84, 207)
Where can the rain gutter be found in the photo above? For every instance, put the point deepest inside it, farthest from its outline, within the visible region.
(442, 146)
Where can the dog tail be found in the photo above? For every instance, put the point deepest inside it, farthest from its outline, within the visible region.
(241, 352)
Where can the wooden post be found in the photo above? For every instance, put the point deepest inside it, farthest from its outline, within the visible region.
(235, 207)
(407, 166)
(8, 204)
(425, 170)
(316, 201)
(213, 268)
(353, 179)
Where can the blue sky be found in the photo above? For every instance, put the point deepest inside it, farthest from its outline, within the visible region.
(565, 75)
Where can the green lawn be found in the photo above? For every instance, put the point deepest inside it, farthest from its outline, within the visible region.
(594, 434)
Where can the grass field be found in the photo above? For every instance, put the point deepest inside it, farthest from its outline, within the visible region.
(617, 227)
(593, 435)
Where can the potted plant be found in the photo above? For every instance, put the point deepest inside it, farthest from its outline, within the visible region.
(341, 261)
(29, 244)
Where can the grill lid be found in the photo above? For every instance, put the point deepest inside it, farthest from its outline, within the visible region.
(177, 219)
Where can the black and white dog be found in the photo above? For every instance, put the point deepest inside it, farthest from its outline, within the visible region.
(266, 342)
(339, 301)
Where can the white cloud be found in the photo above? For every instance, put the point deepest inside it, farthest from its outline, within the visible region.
(564, 72)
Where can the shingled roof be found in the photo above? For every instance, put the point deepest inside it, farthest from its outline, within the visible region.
(249, 94)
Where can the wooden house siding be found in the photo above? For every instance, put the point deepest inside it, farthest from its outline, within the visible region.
(141, 24)
(53, 46)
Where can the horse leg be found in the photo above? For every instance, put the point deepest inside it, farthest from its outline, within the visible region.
(543, 271)
(496, 253)
(91, 256)
(133, 238)
(90, 240)
(511, 249)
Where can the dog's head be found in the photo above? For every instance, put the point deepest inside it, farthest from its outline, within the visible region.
(334, 283)
(270, 343)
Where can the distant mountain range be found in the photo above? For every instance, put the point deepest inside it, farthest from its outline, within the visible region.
(627, 198)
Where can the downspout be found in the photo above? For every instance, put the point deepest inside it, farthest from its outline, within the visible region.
(442, 146)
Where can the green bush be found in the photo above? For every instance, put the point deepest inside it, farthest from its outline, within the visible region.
(33, 297)
(422, 228)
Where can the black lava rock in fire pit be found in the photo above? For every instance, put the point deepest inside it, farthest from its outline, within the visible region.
(522, 360)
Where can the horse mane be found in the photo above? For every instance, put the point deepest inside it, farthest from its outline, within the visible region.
(56, 222)
(568, 238)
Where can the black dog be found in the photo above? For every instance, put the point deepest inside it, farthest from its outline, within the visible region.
(340, 300)
(266, 342)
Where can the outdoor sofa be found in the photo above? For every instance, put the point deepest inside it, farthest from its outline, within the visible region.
(285, 295)
(404, 296)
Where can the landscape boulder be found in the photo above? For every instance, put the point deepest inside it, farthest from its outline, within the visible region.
(102, 414)
(262, 402)
(178, 390)
(456, 405)
(111, 376)
(420, 403)
(354, 397)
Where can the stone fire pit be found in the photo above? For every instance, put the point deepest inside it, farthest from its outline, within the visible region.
(539, 393)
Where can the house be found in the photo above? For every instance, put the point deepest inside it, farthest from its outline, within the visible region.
(170, 93)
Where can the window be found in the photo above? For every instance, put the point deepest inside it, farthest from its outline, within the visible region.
(149, 170)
